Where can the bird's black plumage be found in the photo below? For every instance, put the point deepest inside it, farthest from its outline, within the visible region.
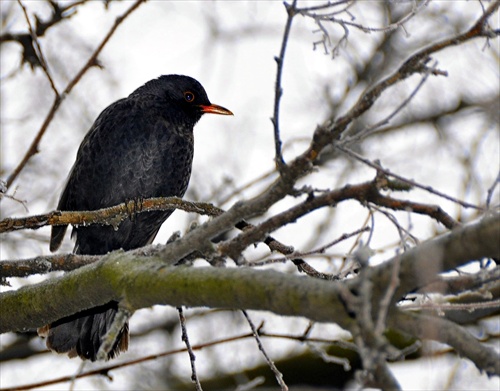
(139, 147)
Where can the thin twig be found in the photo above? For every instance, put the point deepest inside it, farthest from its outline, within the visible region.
(393, 26)
(278, 89)
(246, 186)
(491, 190)
(320, 18)
(104, 371)
(277, 373)
(363, 192)
(403, 233)
(33, 148)
(343, 361)
(322, 249)
(302, 265)
(327, 5)
(192, 357)
(41, 57)
(386, 300)
(405, 180)
(72, 381)
(373, 128)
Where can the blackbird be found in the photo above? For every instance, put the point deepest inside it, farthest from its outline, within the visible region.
(139, 147)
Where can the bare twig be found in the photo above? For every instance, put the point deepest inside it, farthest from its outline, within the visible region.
(3, 191)
(106, 370)
(330, 16)
(192, 357)
(277, 373)
(363, 192)
(33, 148)
(429, 189)
(329, 4)
(344, 361)
(278, 89)
(373, 346)
(373, 128)
(38, 49)
(491, 190)
(246, 186)
(322, 249)
(303, 266)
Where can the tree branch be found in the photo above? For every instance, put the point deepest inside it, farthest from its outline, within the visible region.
(363, 192)
(148, 281)
(144, 281)
(113, 215)
(26, 40)
(332, 129)
(421, 264)
(278, 89)
(33, 148)
(44, 264)
(442, 330)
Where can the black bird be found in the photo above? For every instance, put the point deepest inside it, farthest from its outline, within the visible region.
(139, 147)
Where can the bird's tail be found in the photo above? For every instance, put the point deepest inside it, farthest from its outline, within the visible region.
(82, 334)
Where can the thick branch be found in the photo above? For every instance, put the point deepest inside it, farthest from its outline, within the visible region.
(148, 281)
(142, 282)
(421, 264)
(362, 192)
(442, 330)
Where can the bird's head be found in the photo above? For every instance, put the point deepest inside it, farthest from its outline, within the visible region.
(183, 94)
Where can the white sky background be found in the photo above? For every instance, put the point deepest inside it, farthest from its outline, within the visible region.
(238, 72)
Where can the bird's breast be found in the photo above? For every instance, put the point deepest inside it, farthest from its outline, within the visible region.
(161, 166)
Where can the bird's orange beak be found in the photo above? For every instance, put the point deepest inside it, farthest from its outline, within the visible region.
(215, 109)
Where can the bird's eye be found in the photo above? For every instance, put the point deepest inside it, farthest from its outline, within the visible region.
(188, 96)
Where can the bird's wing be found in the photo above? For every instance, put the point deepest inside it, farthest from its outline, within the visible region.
(131, 152)
(72, 197)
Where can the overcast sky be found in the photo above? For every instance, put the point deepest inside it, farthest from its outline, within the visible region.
(237, 68)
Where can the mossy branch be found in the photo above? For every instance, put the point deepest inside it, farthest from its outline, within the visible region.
(139, 282)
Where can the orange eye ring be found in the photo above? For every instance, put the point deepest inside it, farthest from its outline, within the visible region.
(189, 96)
